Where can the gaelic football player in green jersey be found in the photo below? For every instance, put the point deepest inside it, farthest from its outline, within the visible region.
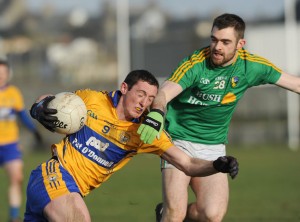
(200, 97)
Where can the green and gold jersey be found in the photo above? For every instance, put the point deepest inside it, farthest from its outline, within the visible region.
(202, 112)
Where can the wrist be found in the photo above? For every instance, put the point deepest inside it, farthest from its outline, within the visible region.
(215, 165)
(35, 107)
(218, 166)
(158, 111)
(33, 110)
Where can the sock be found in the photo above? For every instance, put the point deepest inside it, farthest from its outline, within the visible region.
(14, 212)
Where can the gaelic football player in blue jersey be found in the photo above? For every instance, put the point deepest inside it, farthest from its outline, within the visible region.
(200, 97)
(84, 160)
(11, 108)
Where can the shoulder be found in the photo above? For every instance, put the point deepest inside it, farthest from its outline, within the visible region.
(246, 55)
(199, 55)
(257, 69)
(12, 89)
(92, 97)
(256, 62)
(253, 58)
(196, 56)
(91, 93)
(192, 63)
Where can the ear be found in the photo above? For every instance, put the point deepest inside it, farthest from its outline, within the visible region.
(241, 43)
(124, 88)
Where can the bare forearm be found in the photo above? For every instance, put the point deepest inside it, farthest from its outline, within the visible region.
(160, 101)
(199, 167)
(289, 82)
(190, 166)
(168, 91)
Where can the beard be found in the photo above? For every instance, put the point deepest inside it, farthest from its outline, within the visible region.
(221, 59)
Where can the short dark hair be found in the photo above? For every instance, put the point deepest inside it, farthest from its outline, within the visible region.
(230, 20)
(134, 76)
(4, 60)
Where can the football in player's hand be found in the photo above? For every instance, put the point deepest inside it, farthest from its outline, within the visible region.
(71, 112)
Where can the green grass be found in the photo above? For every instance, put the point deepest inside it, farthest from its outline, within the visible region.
(266, 189)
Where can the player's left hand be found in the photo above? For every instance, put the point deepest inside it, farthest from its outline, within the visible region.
(227, 164)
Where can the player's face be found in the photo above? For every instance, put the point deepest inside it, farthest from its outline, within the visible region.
(4, 75)
(137, 99)
(223, 46)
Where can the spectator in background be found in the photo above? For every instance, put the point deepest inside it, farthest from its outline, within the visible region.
(11, 106)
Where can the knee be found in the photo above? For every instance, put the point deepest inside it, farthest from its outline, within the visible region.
(173, 214)
(17, 179)
(212, 214)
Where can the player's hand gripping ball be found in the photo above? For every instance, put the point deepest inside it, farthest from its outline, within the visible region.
(71, 112)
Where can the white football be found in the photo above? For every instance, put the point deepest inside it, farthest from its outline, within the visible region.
(71, 112)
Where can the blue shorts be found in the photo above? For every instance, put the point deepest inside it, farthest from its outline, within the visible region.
(47, 182)
(9, 152)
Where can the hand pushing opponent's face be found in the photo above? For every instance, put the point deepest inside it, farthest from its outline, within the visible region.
(136, 100)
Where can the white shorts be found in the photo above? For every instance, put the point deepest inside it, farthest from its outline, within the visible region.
(197, 150)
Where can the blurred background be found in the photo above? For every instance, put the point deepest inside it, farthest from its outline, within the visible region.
(58, 46)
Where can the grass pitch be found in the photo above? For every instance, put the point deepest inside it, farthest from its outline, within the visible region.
(266, 189)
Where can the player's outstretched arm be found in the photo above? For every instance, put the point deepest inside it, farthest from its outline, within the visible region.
(289, 82)
(153, 123)
(199, 167)
(41, 113)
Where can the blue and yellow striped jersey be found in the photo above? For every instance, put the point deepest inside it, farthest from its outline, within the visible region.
(11, 102)
(105, 144)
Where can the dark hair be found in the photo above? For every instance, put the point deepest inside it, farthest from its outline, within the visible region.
(4, 60)
(134, 76)
(230, 20)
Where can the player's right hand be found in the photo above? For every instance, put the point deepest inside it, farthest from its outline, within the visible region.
(151, 126)
(41, 113)
(227, 164)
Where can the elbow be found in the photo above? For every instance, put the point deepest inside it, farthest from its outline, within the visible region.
(185, 168)
(186, 171)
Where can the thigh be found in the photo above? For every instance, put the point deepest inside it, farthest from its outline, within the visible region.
(14, 170)
(175, 189)
(46, 183)
(212, 193)
(12, 162)
(9, 152)
(69, 207)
